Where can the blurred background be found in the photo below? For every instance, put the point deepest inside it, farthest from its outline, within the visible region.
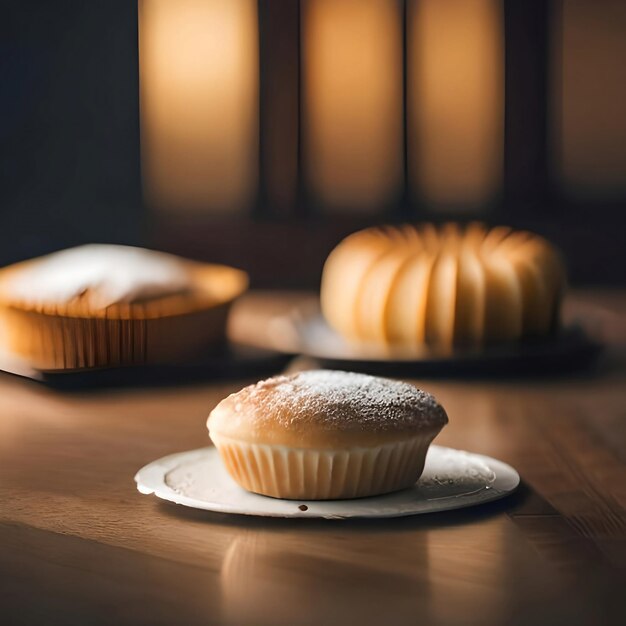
(258, 134)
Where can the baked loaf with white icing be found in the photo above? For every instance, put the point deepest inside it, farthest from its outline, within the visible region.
(322, 435)
(414, 286)
(107, 305)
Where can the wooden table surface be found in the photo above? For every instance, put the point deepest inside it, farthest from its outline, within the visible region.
(79, 545)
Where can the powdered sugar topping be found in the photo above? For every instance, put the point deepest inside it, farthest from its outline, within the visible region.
(337, 401)
(106, 274)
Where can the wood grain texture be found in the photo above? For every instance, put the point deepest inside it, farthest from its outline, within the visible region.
(79, 545)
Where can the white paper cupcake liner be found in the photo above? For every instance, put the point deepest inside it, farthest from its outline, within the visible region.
(323, 474)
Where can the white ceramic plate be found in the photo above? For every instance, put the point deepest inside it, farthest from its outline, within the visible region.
(452, 479)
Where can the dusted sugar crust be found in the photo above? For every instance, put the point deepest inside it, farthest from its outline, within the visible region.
(116, 282)
(415, 286)
(327, 409)
(106, 274)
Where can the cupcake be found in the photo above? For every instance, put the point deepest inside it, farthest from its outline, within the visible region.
(107, 305)
(323, 435)
(442, 287)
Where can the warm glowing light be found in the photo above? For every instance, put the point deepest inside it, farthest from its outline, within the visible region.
(456, 100)
(199, 103)
(352, 64)
(590, 97)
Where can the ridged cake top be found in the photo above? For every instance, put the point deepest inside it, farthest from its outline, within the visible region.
(322, 407)
(442, 287)
(103, 274)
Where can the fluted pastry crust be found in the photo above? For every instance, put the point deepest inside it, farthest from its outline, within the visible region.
(442, 287)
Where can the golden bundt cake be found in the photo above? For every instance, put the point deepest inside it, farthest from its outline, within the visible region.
(442, 286)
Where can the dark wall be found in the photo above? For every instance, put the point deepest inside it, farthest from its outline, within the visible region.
(69, 127)
(69, 156)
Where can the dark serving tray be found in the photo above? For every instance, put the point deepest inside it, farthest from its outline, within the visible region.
(308, 334)
(229, 361)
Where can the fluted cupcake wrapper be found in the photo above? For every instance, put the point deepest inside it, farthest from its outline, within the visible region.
(57, 342)
(323, 474)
